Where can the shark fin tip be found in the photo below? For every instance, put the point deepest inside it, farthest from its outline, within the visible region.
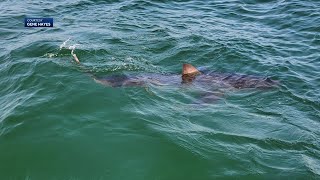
(189, 69)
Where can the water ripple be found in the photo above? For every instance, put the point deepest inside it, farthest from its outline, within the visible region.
(47, 99)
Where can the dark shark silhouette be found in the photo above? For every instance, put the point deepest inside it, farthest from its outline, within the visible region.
(208, 81)
(190, 75)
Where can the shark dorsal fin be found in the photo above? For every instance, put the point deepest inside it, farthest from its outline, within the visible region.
(189, 69)
(189, 73)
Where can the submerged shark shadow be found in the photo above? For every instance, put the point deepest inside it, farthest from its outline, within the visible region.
(210, 82)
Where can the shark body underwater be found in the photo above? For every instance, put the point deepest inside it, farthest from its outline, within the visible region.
(190, 75)
(205, 80)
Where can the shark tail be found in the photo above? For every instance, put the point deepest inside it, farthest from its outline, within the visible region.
(76, 59)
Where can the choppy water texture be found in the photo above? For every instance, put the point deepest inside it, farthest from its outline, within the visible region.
(57, 123)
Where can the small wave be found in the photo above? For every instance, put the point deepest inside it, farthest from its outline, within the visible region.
(312, 164)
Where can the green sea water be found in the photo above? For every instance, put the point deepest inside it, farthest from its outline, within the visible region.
(57, 123)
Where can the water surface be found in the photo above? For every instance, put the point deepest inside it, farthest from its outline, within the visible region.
(57, 123)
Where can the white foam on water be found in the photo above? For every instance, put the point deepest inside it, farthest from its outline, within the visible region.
(67, 44)
(63, 45)
(50, 55)
(72, 48)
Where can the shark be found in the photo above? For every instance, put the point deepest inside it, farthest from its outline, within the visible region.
(190, 75)
(209, 81)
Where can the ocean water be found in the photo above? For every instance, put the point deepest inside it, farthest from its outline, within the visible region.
(57, 123)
